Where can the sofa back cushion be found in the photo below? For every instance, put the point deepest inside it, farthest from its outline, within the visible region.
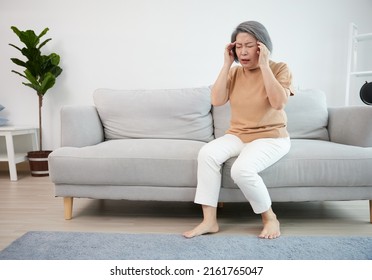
(306, 111)
(163, 113)
(307, 114)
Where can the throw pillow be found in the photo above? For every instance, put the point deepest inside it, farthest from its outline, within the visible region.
(3, 121)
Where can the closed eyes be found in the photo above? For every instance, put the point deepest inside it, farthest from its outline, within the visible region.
(246, 45)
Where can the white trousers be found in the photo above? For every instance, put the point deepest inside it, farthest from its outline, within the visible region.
(252, 158)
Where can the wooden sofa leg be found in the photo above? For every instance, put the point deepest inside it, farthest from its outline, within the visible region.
(370, 211)
(68, 202)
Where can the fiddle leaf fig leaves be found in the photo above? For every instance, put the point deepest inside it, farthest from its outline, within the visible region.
(41, 70)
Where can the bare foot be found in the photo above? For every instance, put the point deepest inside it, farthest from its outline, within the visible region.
(202, 228)
(271, 226)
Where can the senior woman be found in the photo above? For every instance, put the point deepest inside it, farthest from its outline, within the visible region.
(257, 90)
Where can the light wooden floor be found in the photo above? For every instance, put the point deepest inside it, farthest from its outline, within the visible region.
(29, 205)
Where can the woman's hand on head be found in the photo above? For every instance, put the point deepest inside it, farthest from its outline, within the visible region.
(229, 54)
(263, 54)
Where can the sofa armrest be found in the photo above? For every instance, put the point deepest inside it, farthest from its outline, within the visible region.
(80, 126)
(351, 125)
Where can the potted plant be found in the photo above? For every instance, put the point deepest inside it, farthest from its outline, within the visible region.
(40, 72)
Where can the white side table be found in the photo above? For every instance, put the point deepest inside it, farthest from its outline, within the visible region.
(12, 157)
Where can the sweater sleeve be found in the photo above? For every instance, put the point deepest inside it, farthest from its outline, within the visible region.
(284, 76)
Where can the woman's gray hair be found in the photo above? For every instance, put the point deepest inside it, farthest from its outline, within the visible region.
(255, 29)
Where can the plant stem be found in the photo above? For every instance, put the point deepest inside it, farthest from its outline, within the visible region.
(40, 123)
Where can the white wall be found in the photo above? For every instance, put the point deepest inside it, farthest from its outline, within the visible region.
(126, 44)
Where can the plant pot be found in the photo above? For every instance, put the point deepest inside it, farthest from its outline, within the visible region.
(39, 163)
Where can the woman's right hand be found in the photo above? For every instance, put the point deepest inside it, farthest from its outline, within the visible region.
(229, 54)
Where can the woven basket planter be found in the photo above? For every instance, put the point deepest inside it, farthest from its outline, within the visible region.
(39, 163)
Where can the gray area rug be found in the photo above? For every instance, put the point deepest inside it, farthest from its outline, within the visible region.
(41, 245)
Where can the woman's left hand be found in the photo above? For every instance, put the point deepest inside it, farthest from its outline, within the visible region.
(263, 54)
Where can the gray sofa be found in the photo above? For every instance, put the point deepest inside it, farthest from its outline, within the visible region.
(143, 145)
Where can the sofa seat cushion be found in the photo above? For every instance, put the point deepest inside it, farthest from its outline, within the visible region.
(314, 163)
(131, 162)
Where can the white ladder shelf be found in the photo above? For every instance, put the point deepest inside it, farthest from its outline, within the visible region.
(354, 39)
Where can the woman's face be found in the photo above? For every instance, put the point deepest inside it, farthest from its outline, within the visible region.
(247, 50)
